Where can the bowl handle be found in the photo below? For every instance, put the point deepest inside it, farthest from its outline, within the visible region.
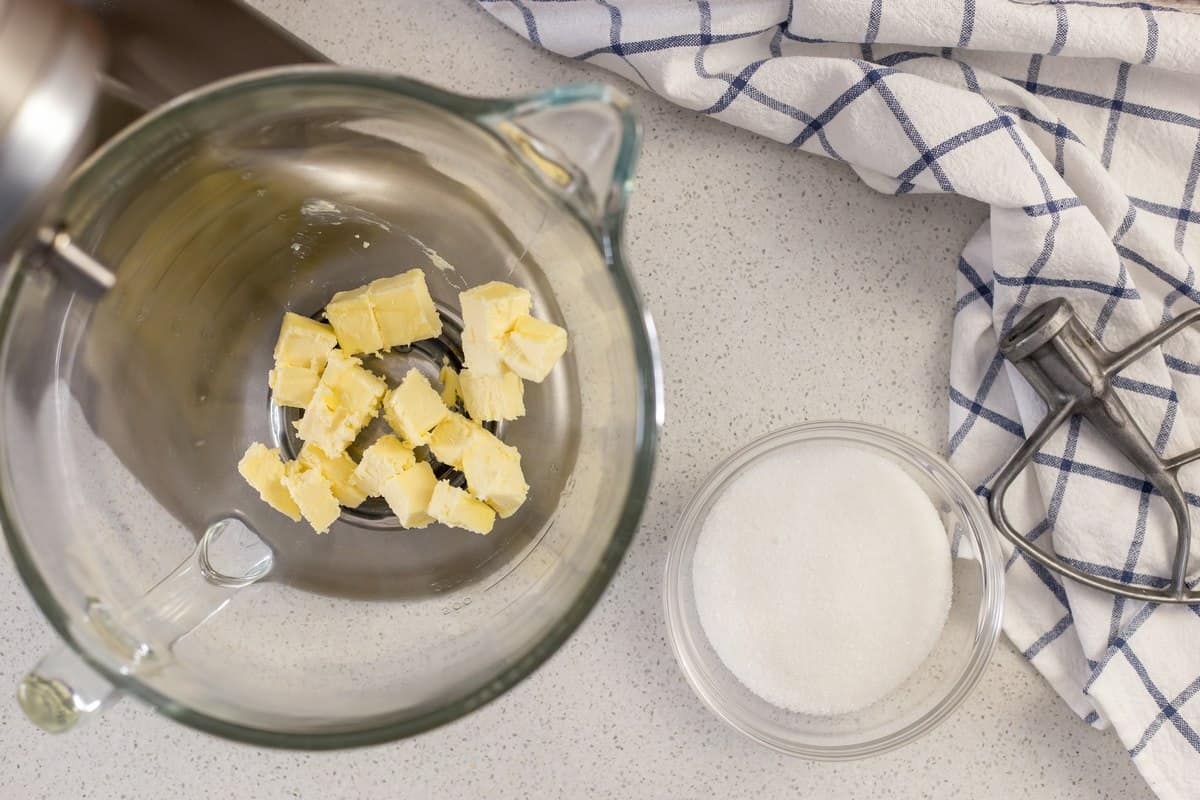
(66, 688)
(580, 140)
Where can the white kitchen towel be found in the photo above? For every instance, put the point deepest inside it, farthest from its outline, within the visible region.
(1078, 122)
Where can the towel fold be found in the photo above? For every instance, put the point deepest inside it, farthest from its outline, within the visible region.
(1078, 122)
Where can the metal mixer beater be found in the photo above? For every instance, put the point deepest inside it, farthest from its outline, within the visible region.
(1073, 373)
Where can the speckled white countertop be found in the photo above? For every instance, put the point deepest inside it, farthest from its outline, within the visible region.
(843, 311)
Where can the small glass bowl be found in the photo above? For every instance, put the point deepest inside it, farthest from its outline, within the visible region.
(938, 685)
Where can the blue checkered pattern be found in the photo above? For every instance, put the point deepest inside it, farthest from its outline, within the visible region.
(1078, 122)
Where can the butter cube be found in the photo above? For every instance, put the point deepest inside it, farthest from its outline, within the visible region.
(493, 471)
(452, 506)
(263, 470)
(388, 312)
(386, 457)
(303, 342)
(403, 308)
(344, 370)
(413, 408)
(408, 495)
(292, 385)
(450, 390)
(533, 347)
(346, 375)
(313, 494)
(493, 307)
(346, 399)
(354, 321)
(325, 421)
(338, 470)
(450, 437)
(301, 351)
(480, 353)
(499, 396)
(489, 311)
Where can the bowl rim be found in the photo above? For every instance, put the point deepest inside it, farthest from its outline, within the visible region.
(983, 536)
(649, 397)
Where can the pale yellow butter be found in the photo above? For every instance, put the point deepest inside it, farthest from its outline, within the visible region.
(386, 457)
(346, 399)
(388, 312)
(404, 309)
(452, 506)
(450, 389)
(354, 321)
(313, 494)
(493, 472)
(492, 397)
(489, 312)
(292, 385)
(326, 422)
(493, 307)
(303, 342)
(413, 408)
(533, 347)
(408, 495)
(480, 353)
(301, 352)
(450, 437)
(338, 470)
(502, 344)
(263, 470)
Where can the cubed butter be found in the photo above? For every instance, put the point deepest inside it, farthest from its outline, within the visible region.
(354, 321)
(493, 472)
(480, 353)
(450, 390)
(263, 470)
(338, 470)
(493, 307)
(413, 408)
(325, 421)
(452, 506)
(492, 397)
(386, 457)
(408, 495)
(403, 309)
(489, 312)
(301, 352)
(303, 342)
(450, 437)
(292, 386)
(533, 347)
(313, 494)
(360, 387)
(388, 312)
(346, 399)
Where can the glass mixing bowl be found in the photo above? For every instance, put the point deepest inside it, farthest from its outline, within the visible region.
(933, 691)
(124, 413)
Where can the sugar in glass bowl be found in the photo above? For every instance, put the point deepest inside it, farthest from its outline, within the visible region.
(941, 681)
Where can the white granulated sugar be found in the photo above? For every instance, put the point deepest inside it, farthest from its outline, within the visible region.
(822, 577)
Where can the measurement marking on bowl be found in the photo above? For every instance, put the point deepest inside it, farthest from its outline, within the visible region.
(457, 605)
